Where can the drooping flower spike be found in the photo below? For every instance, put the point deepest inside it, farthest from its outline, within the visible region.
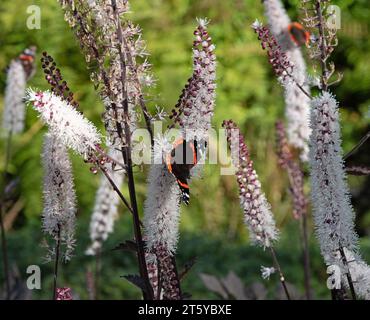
(65, 122)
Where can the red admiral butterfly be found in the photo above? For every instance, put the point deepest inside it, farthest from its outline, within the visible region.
(183, 157)
(27, 55)
(298, 34)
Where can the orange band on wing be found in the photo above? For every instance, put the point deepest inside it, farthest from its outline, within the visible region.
(168, 163)
(178, 142)
(183, 184)
(26, 57)
(296, 25)
(307, 35)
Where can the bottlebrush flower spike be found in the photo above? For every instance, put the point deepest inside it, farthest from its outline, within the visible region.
(58, 218)
(258, 216)
(19, 71)
(197, 101)
(161, 208)
(14, 109)
(65, 122)
(161, 224)
(106, 207)
(294, 171)
(333, 213)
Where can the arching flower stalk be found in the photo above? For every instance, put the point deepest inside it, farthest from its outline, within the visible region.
(58, 218)
(105, 209)
(161, 213)
(257, 211)
(104, 214)
(333, 213)
(296, 101)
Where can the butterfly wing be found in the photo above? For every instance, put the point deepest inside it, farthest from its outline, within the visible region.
(180, 161)
(298, 34)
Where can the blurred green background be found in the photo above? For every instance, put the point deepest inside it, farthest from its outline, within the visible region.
(211, 227)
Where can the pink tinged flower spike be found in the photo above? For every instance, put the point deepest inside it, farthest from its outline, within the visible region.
(169, 280)
(257, 212)
(14, 109)
(167, 285)
(58, 218)
(161, 208)
(64, 294)
(105, 210)
(152, 266)
(65, 122)
(276, 56)
(197, 101)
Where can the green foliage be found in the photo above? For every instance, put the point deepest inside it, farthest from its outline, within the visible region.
(211, 228)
